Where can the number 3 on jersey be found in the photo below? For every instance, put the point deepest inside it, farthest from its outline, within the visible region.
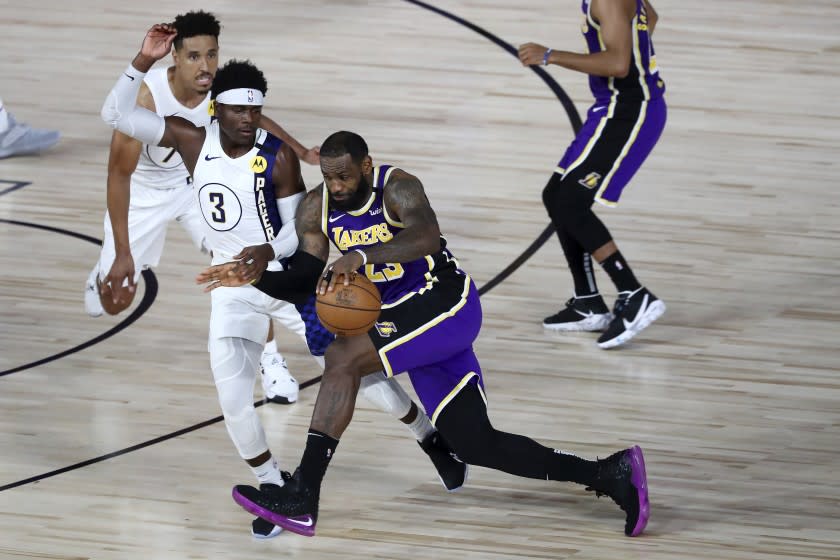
(219, 206)
(218, 214)
(386, 272)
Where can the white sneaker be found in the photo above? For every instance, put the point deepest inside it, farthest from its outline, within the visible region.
(21, 139)
(278, 384)
(93, 305)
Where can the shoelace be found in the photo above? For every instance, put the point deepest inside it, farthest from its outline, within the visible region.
(619, 306)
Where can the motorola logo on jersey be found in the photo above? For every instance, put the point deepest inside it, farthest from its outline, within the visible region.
(258, 164)
(220, 206)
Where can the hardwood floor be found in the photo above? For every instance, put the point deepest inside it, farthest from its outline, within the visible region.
(733, 394)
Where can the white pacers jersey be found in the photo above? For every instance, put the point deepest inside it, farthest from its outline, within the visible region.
(236, 196)
(163, 168)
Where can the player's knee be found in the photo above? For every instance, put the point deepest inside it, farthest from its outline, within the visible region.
(564, 203)
(246, 432)
(386, 394)
(343, 357)
(474, 447)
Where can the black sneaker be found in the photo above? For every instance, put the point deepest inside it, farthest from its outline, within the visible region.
(633, 313)
(293, 507)
(451, 470)
(622, 477)
(588, 313)
(262, 529)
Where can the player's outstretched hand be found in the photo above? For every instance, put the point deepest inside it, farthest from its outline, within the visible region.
(229, 275)
(343, 269)
(158, 41)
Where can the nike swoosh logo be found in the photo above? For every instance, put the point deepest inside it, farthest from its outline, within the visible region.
(639, 313)
(596, 109)
(208, 158)
(308, 523)
(585, 315)
(129, 77)
(336, 218)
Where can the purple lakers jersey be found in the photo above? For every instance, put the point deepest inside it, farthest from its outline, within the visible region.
(371, 225)
(643, 81)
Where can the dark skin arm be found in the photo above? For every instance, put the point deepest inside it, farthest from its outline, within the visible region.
(652, 16)
(309, 155)
(615, 17)
(406, 201)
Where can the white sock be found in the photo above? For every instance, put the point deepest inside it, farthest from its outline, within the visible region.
(270, 347)
(269, 473)
(4, 118)
(421, 427)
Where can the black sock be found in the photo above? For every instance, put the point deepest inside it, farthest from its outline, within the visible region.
(562, 466)
(620, 273)
(580, 265)
(320, 449)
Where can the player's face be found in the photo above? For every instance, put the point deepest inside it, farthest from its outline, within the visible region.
(346, 181)
(196, 62)
(239, 122)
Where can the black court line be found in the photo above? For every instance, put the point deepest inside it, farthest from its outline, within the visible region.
(137, 447)
(15, 185)
(149, 295)
(574, 119)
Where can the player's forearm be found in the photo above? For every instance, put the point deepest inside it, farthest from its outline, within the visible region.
(118, 199)
(122, 113)
(297, 283)
(412, 243)
(607, 63)
(278, 131)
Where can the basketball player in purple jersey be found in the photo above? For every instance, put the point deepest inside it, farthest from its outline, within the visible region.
(621, 129)
(248, 186)
(381, 221)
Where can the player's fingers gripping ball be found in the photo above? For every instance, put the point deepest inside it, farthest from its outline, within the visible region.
(349, 310)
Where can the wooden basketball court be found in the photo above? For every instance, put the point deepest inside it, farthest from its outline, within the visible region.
(733, 394)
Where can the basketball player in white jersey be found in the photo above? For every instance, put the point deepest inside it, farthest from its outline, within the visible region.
(249, 185)
(149, 186)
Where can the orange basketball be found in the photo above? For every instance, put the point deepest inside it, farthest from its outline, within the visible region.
(349, 310)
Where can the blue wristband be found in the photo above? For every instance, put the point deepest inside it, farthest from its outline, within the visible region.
(545, 57)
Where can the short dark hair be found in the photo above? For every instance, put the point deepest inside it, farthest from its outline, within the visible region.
(193, 24)
(344, 142)
(238, 74)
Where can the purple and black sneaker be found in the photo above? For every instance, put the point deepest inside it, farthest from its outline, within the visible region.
(622, 477)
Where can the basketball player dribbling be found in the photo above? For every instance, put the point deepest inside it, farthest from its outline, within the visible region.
(149, 187)
(383, 224)
(249, 185)
(621, 129)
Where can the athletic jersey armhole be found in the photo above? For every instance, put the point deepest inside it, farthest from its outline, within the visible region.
(590, 18)
(325, 205)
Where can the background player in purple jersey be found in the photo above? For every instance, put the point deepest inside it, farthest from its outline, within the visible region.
(620, 131)
(382, 222)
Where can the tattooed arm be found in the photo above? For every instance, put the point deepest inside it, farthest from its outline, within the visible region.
(406, 201)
